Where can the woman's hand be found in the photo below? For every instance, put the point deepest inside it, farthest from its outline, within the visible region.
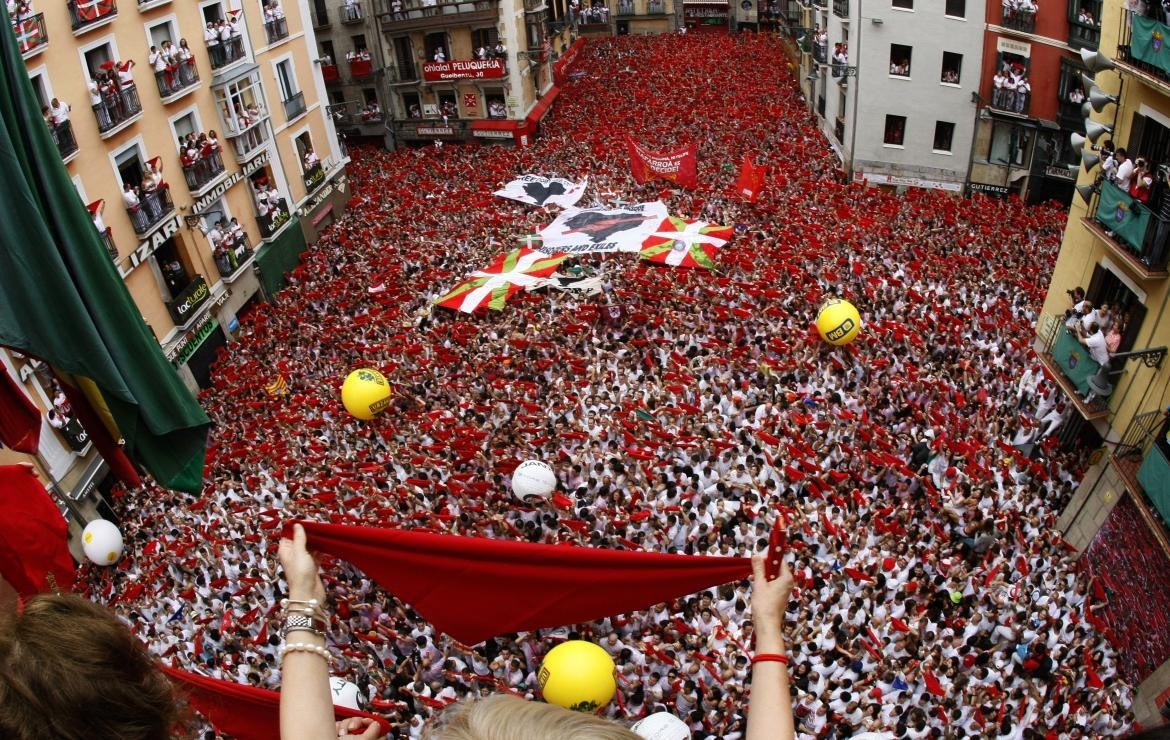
(769, 598)
(300, 568)
(359, 728)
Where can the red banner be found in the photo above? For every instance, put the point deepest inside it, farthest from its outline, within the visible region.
(751, 179)
(464, 69)
(679, 166)
(562, 65)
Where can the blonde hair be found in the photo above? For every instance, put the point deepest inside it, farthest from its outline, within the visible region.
(505, 717)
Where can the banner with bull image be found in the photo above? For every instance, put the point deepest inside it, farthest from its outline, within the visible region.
(618, 229)
(542, 191)
(679, 166)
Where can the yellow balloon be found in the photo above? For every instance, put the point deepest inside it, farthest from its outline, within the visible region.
(577, 675)
(365, 393)
(838, 322)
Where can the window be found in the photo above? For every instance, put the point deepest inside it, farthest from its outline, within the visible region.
(174, 274)
(900, 60)
(484, 38)
(185, 125)
(952, 67)
(1011, 89)
(434, 42)
(286, 80)
(38, 83)
(161, 32)
(129, 164)
(496, 107)
(957, 8)
(944, 132)
(895, 130)
(359, 42)
(1009, 144)
(327, 50)
(98, 56)
(448, 103)
(903, 4)
(404, 57)
(370, 95)
(412, 105)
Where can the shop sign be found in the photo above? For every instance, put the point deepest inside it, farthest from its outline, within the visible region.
(435, 131)
(464, 69)
(188, 302)
(192, 340)
(210, 199)
(337, 184)
(491, 134)
(148, 246)
(999, 191)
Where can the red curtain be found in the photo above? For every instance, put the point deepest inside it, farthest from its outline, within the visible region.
(34, 540)
(474, 588)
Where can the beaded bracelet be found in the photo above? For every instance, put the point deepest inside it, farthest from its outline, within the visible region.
(304, 647)
(770, 658)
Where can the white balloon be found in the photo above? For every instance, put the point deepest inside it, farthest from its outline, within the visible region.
(102, 542)
(345, 694)
(533, 478)
(662, 726)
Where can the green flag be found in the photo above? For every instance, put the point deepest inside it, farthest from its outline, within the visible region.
(61, 299)
(1148, 43)
(1125, 217)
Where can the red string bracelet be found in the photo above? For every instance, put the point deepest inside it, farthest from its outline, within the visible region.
(770, 658)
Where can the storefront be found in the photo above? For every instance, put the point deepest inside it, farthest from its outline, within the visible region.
(277, 257)
(706, 15)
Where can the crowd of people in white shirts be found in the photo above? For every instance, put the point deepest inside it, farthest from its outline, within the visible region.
(683, 411)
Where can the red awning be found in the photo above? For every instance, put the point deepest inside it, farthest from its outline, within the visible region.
(541, 108)
(493, 124)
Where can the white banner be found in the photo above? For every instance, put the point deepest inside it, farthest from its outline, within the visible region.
(578, 231)
(542, 191)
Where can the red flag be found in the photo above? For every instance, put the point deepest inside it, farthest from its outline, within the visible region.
(20, 421)
(107, 447)
(751, 180)
(932, 684)
(679, 166)
(451, 579)
(899, 625)
(34, 543)
(242, 711)
(1092, 678)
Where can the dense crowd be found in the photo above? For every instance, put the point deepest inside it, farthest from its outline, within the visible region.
(683, 411)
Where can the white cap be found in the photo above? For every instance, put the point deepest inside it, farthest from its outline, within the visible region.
(662, 726)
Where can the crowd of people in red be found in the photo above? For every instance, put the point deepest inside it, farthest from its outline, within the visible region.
(934, 598)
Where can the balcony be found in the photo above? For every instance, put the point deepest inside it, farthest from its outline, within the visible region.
(174, 81)
(351, 14)
(108, 240)
(314, 176)
(839, 129)
(1023, 21)
(329, 73)
(1068, 114)
(820, 53)
(841, 8)
(230, 258)
(1131, 231)
(89, 14)
(271, 222)
(64, 139)
(31, 34)
(249, 140)
(150, 4)
(360, 69)
(1083, 35)
(1069, 364)
(276, 30)
(294, 107)
(625, 8)
(153, 207)
(221, 55)
(118, 107)
(436, 14)
(655, 7)
(187, 302)
(1011, 101)
(202, 172)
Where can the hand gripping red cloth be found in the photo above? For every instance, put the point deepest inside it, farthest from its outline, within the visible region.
(473, 588)
(242, 711)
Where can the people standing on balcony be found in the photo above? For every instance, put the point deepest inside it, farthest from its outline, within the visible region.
(99, 108)
(352, 10)
(481, 53)
(225, 42)
(311, 160)
(396, 9)
(1094, 341)
(58, 113)
(500, 51)
(162, 70)
(187, 71)
(134, 207)
(1023, 90)
(440, 54)
(1160, 198)
(211, 39)
(126, 87)
(1141, 181)
(1124, 174)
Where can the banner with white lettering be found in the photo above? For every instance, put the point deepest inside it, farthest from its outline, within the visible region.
(679, 166)
(584, 230)
(542, 191)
